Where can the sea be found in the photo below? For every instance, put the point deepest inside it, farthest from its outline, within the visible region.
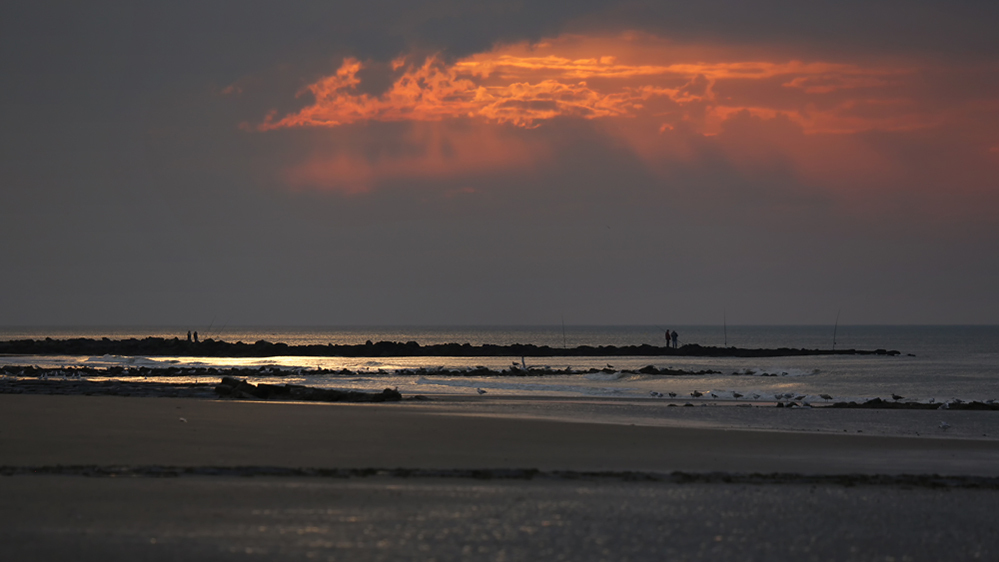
(935, 363)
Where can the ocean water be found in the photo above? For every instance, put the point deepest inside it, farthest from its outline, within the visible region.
(937, 363)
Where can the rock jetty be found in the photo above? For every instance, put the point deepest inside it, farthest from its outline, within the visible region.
(217, 348)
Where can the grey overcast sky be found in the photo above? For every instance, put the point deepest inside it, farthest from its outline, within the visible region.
(499, 162)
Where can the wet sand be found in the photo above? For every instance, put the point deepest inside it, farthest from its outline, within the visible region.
(65, 516)
(77, 430)
(211, 519)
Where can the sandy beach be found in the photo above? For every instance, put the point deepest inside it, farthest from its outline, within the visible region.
(459, 434)
(52, 511)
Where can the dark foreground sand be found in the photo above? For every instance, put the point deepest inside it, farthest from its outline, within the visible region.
(67, 516)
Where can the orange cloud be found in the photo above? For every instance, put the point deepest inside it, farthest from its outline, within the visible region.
(525, 85)
(654, 94)
(434, 91)
(354, 161)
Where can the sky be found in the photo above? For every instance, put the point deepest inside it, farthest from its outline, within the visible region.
(416, 162)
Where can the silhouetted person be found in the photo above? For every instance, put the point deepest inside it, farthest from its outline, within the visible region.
(673, 334)
(667, 337)
(189, 336)
(195, 337)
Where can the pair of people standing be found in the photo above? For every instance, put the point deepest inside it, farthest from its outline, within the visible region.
(189, 336)
(671, 335)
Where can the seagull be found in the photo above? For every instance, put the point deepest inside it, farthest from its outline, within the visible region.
(896, 397)
(755, 396)
(802, 397)
(944, 425)
(183, 420)
(713, 395)
(480, 391)
(672, 395)
(825, 397)
(736, 395)
(697, 394)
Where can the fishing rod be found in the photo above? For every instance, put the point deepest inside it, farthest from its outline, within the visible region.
(836, 327)
(664, 331)
(216, 337)
(564, 346)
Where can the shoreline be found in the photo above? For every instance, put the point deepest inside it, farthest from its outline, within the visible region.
(77, 381)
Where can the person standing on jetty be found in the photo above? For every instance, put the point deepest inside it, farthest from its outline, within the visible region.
(189, 336)
(195, 337)
(674, 339)
(667, 338)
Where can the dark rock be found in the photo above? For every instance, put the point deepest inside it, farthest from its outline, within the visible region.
(217, 348)
(240, 389)
(878, 403)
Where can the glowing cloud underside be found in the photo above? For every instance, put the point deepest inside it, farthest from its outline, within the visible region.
(526, 85)
(662, 99)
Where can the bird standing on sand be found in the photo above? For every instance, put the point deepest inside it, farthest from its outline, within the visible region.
(944, 425)
(480, 391)
(697, 394)
(672, 395)
(825, 397)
